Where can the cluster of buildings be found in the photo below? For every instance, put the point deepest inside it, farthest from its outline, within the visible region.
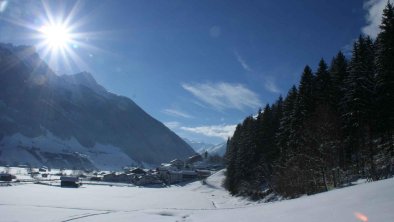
(175, 171)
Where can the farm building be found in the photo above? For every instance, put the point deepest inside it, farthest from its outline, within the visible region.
(119, 178)
(138, 171)
(66, 181)
(173, 177)
(189, 174)
(194, 159)
(6, 177)
(178, 163)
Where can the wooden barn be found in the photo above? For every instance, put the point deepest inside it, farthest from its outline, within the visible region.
(68, 181)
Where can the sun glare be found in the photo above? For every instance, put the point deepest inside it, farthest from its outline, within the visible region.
(56, 36)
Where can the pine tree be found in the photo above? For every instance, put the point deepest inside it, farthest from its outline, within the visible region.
(306, 98)
(385, 72)
(286, 122)
(231, 179)
(338, 72)
(358, 101)
(385, 90)
(304, 106)
(323, 83)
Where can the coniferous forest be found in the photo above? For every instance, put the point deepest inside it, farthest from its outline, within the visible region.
(335, 127)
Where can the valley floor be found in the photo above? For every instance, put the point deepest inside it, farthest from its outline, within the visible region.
(192, 202)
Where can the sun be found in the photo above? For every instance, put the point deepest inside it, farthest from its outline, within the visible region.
(56, 36)
(57, 32)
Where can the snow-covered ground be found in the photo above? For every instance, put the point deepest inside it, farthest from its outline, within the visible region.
(192, 202)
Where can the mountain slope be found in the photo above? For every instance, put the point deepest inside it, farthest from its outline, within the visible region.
(35, 101)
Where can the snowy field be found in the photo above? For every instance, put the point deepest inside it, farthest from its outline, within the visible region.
(192, 202)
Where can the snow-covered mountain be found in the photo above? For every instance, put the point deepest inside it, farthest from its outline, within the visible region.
(200, 147)
(218, 149)
(72, 121)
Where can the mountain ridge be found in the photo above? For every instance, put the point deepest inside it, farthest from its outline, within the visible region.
(34, 100)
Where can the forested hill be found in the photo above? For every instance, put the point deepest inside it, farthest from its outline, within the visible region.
(334, 127)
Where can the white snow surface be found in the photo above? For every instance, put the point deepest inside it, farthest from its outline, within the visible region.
(192, 202)
(102, 156)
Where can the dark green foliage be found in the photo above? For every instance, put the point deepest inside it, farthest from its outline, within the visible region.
(385, 90)
(385, 71)
(358, 101)
(338, 73)
(337, 126)
(286, 127)
(323, 83)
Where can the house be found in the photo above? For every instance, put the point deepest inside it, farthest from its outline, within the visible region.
(68, 181)
(201, 165)
(178, 163)
(173, 177)
(164, 168)
(194, 159)
(118, 178)
(43, 169)
(189, 174)
(138, 171)
(142, 180)
(6, 177)
(95, 178)
(203, 173)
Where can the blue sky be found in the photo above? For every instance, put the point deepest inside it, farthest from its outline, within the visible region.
(200, 67)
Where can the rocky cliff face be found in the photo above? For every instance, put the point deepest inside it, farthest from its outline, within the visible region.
(35, 102)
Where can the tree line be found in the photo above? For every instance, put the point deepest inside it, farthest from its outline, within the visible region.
(334, 127)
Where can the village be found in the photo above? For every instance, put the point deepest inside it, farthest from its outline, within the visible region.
(196, 167)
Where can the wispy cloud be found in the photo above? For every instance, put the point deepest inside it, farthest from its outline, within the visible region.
(172, 125)
(224, 95)
(242, 62)
(177, 113)
(347, 49)
(270, 85)
(219, 131)
(373, 17)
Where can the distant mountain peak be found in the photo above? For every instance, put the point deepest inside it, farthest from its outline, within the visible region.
(201, 147)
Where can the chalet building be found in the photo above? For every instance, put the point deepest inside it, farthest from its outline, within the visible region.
(96, 178)
(194, 159)
(189, 174)
(178, 163)
(203, 173)
(68, 181)
(173, 177)
(117, 178)
(141, 180)
(138, 171)
(164, 168)
(6, 177)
